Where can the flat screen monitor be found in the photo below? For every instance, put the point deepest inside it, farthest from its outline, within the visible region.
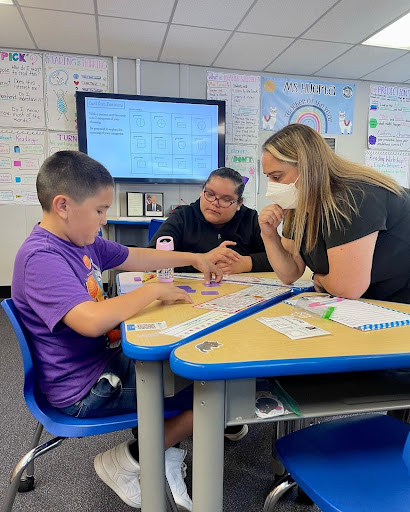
(152, 139)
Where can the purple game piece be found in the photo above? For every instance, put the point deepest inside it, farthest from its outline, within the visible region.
(191, 291)
(137, 278)
(210, 292)
(212, 283)
(184, 287)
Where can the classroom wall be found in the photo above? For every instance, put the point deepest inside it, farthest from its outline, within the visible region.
(174, 80)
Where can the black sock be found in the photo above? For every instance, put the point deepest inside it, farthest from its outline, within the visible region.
(134, 450)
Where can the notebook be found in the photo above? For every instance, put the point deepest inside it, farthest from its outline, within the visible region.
(355, 313)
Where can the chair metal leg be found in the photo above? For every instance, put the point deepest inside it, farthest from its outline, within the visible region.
(22, 465)
(27, 478)
(282, 487)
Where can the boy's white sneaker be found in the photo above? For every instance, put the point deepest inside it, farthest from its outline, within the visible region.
(120, 471)
(175, 471)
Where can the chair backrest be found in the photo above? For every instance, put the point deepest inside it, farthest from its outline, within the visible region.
(22, 338)
(154, 225)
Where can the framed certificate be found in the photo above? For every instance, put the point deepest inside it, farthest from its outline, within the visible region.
(135, 204)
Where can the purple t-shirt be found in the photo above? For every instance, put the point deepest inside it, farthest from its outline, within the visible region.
(51, 276)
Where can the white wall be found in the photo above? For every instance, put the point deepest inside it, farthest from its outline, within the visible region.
(174, 80)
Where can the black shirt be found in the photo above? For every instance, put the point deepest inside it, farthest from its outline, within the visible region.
(387, 213)
(193, 233)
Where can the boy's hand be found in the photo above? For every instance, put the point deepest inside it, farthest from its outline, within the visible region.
(169, 293)
(207, 268)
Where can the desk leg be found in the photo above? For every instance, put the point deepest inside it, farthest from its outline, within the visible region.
(150, 405)
(208, 446)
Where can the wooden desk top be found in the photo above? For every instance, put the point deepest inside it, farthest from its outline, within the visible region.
(251, 349)
(150, 345)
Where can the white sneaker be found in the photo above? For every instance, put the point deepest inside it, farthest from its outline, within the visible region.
(120, 471)
(175, 471)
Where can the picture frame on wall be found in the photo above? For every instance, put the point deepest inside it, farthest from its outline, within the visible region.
(135, 204)
(154, 204)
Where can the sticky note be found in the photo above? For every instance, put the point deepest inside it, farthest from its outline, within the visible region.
(210, 292)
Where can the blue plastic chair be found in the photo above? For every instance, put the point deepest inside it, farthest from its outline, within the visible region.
(356, 464)
(153, 227)
(50, 418)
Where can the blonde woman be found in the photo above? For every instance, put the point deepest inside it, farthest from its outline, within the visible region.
(348, 223)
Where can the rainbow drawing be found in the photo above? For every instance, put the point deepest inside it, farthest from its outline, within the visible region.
(310, 115)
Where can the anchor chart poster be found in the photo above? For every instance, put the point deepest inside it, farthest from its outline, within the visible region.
(327, 107)
(64, 76)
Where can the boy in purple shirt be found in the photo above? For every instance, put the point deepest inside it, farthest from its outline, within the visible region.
(57, 288)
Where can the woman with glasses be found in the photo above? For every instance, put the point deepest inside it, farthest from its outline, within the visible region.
(219, 225)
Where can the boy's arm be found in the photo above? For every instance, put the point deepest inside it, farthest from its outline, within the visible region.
(150, 259)
(94, 319)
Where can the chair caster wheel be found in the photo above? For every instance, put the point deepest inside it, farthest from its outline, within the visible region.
(27, 484)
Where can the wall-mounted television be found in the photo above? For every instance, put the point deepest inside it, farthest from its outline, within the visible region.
(152, 139)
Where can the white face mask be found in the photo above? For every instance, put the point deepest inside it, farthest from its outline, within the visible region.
(283, 194)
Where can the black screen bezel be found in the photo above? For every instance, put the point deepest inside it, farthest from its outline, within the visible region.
(82, 129)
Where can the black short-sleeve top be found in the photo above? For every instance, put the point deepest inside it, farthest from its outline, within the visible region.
(382, 211)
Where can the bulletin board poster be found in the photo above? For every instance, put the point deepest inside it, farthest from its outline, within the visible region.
(64, 76)
(242, 96)
(243, 159)
(59, 141)
(327, 107)
(389, 118)
(21, 154)
(393, 163)
(21, 89)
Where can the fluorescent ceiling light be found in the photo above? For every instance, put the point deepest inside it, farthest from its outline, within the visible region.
(8, 2)
(396, 35)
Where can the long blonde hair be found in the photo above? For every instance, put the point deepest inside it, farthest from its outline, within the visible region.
(325, 182)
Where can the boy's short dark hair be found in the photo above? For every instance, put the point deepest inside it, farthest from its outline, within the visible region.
(70, 173)
(230, 174)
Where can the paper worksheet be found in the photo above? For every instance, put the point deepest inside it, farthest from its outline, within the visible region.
(196, 325)
(292, 327)
(243, 299)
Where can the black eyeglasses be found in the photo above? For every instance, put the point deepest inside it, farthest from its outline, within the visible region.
(222, 203)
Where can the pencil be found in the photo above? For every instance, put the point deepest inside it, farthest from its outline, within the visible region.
(147, 278)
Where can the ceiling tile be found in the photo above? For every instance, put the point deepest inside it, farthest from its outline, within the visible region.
(62, 31)
(13, 32)
(275, 17)
(131, 38)
(147, 10)
(211, 13)
(396, 71)
(360, 60)
(251, 51)
(294, 60)
(352, 21)
(84, 6)
(191, 45)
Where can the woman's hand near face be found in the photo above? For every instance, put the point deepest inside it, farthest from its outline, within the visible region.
(270, 218)
(223, 254)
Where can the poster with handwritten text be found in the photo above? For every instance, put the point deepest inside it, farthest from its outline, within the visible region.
(64, 76)
(389, 118)
(393, 163)
(58, 141)
(243, 159)
(21, 90)
(242, 96)
(21, 155)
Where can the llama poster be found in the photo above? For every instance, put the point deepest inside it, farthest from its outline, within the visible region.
(327, 107)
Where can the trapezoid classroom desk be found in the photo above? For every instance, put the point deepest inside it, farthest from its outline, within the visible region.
(151, 352)
(225, 381)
